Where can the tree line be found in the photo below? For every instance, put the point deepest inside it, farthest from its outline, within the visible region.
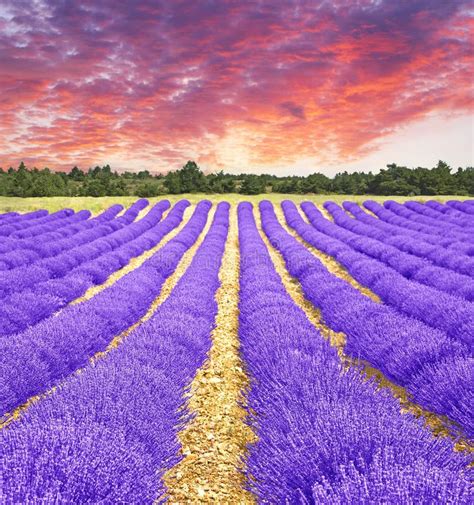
(102, 181)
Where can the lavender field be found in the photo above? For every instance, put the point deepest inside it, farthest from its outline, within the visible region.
(217, 353)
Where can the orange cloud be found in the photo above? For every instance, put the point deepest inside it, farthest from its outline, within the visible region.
(228, 83)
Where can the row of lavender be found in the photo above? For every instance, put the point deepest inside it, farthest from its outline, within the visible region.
(47, 240)
(448, 252)
(16, 224)
(37, 358)
(108, 434)
(435, 366)
(390, 274)
(325, 435)
(458, 227)
(422, 271)
(421, 244)
(333, 438)
(56, 271)
(19, 251)
(444, 270)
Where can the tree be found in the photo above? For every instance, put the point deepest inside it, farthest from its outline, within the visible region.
(173, 183)
(76, 174)
(395, 180)
(287, 185)
(191, 178)
(94, 187)
(117, 188)
(188, 179)
(143, 174)
(149, 189)
(220, 183)
(21, 181)
(47, 183)
(252, 185)
(315, 183)
(464, 181)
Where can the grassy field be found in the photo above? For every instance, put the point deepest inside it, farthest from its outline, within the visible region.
(8, 204)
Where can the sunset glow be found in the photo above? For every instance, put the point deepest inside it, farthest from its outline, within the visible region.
(282, 87)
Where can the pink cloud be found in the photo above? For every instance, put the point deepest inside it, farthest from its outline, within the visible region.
(159, 81)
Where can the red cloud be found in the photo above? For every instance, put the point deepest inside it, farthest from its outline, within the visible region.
(159, 82)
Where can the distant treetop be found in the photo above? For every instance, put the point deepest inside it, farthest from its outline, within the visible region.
(102, 181)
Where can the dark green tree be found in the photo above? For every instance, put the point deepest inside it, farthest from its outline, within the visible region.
(287, 185)
(143, 174)
(149, 189)
(315, 183)
(220, 183)
(188, 179)
(192, 179)
(173, 183)
(252, 185)
(94, 187)
(76, 174)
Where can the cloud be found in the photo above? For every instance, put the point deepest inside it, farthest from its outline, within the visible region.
(294, 109)
(274, 82)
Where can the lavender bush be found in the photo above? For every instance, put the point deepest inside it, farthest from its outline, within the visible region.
(50, 235)
(447, 210)
(458, 218)
(461, 230)
(406, 350)
(38, 358)
(66, 276)
(109, 433)
(394, 218)
(366, 240)
(440, 310)
(418, 243)
(8, 216)
(461, 206)
(325, 435)
(28, 217)
(10, 244)
(38, 218)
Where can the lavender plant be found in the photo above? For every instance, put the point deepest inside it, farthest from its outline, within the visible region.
(108, 434)
(41, 356)
(325, 435)
(409, 352)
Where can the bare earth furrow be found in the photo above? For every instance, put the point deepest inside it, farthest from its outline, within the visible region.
(215, 440)
(329, 262)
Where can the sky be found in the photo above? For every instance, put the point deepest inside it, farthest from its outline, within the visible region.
(283, 87)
